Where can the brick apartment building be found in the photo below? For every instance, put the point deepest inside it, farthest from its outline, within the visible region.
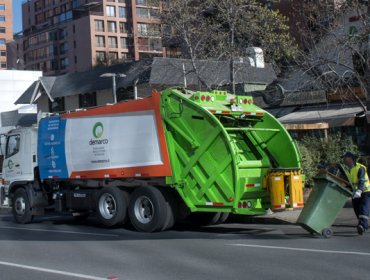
(6, 30)
(61, 36)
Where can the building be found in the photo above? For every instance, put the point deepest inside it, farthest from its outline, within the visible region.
(6, 30)
(76, 35)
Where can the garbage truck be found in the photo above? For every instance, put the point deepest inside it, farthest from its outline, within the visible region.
(153, 161)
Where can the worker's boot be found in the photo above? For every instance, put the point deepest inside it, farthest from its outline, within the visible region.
(360, 229)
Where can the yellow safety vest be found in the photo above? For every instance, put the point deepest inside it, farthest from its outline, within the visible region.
(353, 177)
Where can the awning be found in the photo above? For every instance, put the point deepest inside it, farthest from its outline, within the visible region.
(335, 116)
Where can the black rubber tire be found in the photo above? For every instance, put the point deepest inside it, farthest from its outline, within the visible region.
(111, 206)
(21, 208)
(172, 209)
(327, 232)
(148, 209)
(223, 218)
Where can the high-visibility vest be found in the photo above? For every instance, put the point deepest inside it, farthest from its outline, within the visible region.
(353, 177)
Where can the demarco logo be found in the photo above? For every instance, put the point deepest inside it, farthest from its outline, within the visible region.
(97, 131)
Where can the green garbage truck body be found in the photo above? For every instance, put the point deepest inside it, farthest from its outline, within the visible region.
(154, 161)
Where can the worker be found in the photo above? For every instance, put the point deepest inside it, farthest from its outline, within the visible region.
(357, 174)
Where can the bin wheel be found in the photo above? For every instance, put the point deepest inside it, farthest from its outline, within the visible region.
(327, 232)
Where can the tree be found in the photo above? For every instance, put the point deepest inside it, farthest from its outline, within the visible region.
(334, 46)
(224, 29)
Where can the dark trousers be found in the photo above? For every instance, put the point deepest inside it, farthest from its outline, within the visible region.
(361, 206)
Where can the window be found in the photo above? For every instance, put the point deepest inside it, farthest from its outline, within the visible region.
(123, 43)
(147, 13)
(100, 57)
(2, 42)
(2, 7)
(99, 25)
(87, 100)
(112, 42)
(2, 18)
(112, 26)
(63, 48)
(2, 29)
(122, 12)
(113, 56)
(147, 29)
(12, 145)
(3, 65)
(110, 11)
(142, 2)
(100, 41)
(64, 63)
(57, 105)
(2, 53)
(122, 27)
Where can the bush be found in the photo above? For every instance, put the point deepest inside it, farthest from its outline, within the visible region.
(314, 150)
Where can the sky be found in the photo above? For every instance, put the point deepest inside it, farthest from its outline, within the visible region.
(17, 15)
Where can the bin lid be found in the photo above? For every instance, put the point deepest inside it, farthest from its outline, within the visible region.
(345, 185)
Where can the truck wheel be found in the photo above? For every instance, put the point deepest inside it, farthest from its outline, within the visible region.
(148, 209)
(172, 209)
(22, 212)
(223, 218)
(112, 206)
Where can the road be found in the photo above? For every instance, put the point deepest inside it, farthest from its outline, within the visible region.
(61, 248)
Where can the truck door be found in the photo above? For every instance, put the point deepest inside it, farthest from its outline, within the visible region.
(15, 165)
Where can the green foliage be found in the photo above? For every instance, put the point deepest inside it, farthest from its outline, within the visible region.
(314, 150)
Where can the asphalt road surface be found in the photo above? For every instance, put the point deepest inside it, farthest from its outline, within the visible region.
(61, 248)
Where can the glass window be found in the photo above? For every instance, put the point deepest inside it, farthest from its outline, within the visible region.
(122, 12)
(99, 25)
(2, 29)
(12, 146)
(122, 27)
(112, 26)
(142, 2)
(112, 42)
(110, 11)
(100, 41)
(3, 65)
(100, 57)
(2, 53)
(57, 105)
(2, 18)
(87, 100)
(2, 42)
(113, 56)
(2, 7)
(64, 63)
(123, 43)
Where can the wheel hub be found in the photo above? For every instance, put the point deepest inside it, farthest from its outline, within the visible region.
(20, 206)
(107, 206)
(144, 210)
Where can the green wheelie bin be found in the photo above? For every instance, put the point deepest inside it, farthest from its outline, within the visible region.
(327, 198)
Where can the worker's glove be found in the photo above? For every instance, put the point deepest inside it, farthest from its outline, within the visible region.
(357, 194)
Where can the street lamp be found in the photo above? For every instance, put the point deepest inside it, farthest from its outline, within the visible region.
(114, 76)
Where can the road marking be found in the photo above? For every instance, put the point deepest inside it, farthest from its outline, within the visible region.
(60, 231)
(65, 273)
(302, 249)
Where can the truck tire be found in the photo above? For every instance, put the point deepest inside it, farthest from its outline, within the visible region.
(148, 209)
(22, 211)
(172, 210)
(223, 218)
(112, 206)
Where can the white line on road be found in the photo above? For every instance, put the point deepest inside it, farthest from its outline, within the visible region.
(65, 273)
(302, 249)
(60, 231)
